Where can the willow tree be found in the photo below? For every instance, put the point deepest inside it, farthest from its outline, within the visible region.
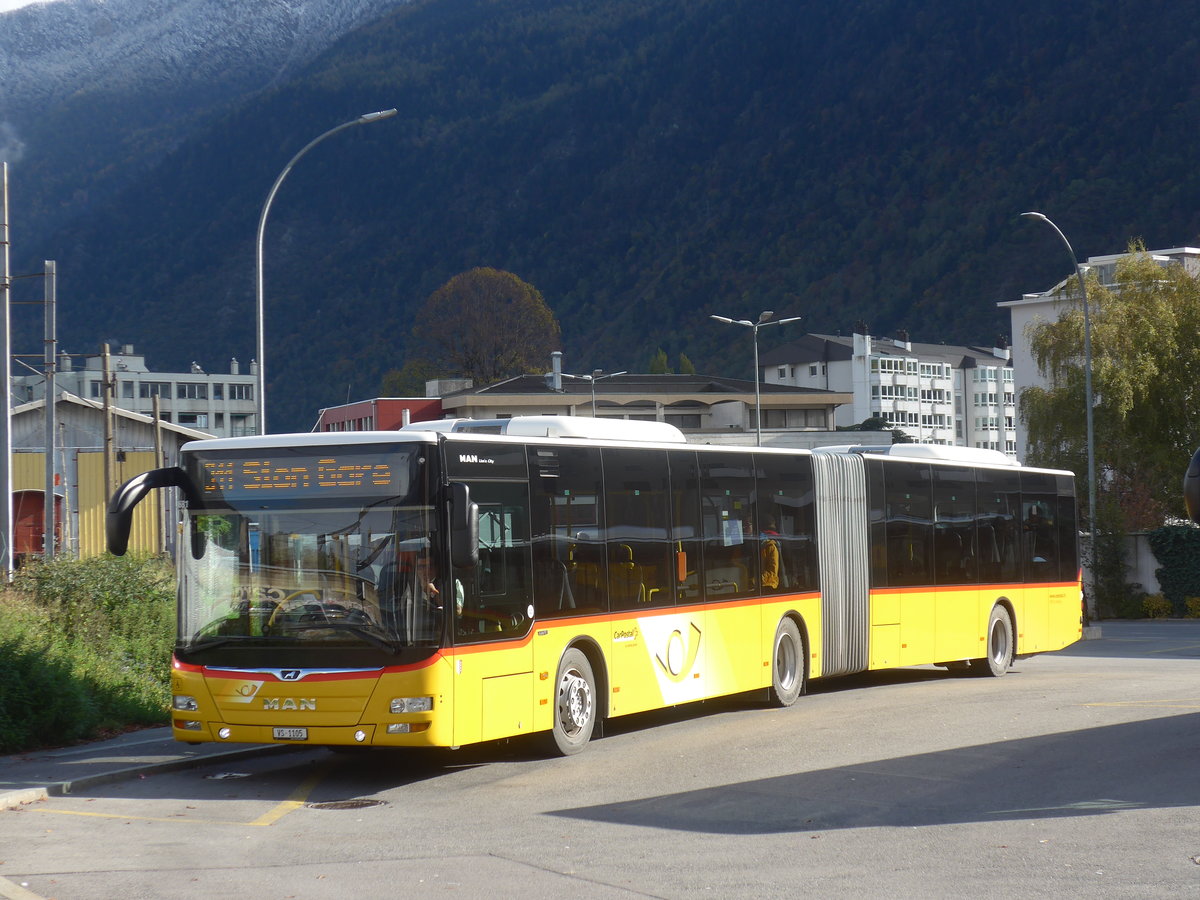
(486, 325)
(1145, 331)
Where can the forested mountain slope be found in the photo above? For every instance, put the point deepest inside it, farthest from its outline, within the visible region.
(645, 163)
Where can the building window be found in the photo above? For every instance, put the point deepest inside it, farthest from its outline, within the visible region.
(196, 420)
(154, 389)
(241, 392)
(188, 390)
(220, 420)
(218, 391)
(96, 388)
(127, 390)
(812, 371)
(783, 371)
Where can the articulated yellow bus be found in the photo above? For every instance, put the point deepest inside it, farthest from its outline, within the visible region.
(542, 574)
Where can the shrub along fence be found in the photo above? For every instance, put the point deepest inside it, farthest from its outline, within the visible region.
(85, 649)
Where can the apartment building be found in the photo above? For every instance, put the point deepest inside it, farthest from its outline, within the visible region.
(935, 393)
(220, 404)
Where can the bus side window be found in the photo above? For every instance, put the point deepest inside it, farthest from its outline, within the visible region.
(566, 515)
(1039, 531)
(786, 523)
(637, 527)
(909, 524)
(492, 599)
(685, 526)
(730, 535)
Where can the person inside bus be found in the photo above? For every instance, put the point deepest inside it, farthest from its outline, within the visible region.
(768, 551)
(1039, 536)
(410, 597)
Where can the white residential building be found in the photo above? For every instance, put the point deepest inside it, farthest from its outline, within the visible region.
(220, 404)
(935, 393)
(1046, 307)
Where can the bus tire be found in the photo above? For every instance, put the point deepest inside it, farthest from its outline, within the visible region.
(787, 664)
(1000, 644)
(574, 703)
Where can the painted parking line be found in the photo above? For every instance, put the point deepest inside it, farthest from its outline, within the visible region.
(294, 801)
(12, 891)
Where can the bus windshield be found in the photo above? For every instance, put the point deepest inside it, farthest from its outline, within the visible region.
(333, 565)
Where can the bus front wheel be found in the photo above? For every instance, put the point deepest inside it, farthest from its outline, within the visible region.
(574, 703)
(1000, 645)
(787, 666)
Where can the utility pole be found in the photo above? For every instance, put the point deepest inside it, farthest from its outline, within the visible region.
(51, 362)
(6, 517)
(109, 473)
(158, 464)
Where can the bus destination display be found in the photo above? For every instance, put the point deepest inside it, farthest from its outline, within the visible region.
(303, 475)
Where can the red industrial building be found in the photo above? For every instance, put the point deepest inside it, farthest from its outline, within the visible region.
(379, 414)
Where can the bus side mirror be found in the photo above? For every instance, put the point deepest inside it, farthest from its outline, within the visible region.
(118, 519)
(1191, 488)
(464, 527)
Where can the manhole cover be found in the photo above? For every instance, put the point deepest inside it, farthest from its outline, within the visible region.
(360, 803)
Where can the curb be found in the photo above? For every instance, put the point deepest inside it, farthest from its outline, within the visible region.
(17, 798)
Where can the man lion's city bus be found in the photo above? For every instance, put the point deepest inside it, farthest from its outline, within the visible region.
(543, 574)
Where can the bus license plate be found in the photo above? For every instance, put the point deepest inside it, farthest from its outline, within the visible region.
(291, 734)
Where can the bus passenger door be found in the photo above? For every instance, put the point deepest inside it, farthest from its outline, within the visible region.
(493, 657)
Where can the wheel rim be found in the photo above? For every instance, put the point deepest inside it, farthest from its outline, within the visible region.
(999, 642)
(787, 662)
(574, 702)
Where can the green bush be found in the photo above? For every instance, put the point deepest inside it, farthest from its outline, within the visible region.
(1177, 549)
(85, 648)
(1192, 607)
(1156, 606)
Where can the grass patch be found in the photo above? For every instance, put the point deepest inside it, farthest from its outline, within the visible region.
(85, 649)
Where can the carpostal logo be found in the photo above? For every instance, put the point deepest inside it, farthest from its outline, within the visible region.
(677, 658)
(625, 635)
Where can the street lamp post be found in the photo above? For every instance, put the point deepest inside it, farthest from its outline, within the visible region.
(262, 225)
(1087, 391)
(765, 318)
(597, 375)
(593, 378)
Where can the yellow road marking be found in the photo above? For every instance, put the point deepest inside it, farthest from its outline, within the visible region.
(295, 800)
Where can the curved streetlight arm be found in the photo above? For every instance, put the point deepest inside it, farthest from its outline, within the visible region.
(260, 344)
(779, 322)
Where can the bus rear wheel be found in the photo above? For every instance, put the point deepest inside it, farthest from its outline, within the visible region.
(574, 703)
(1000, 645)
(787, 664)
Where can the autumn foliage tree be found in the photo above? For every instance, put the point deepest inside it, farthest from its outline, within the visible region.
(487, 325)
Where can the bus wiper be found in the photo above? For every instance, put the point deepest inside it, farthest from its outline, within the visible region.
(358, 630)
(220, 641)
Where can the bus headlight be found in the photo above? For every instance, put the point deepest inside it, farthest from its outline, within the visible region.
(184, 702)
(407, 727)
(411, 704)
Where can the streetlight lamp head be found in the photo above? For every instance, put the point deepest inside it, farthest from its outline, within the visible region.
(1034, 215)
(375, 116)
(765, 315)
(722, 319)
